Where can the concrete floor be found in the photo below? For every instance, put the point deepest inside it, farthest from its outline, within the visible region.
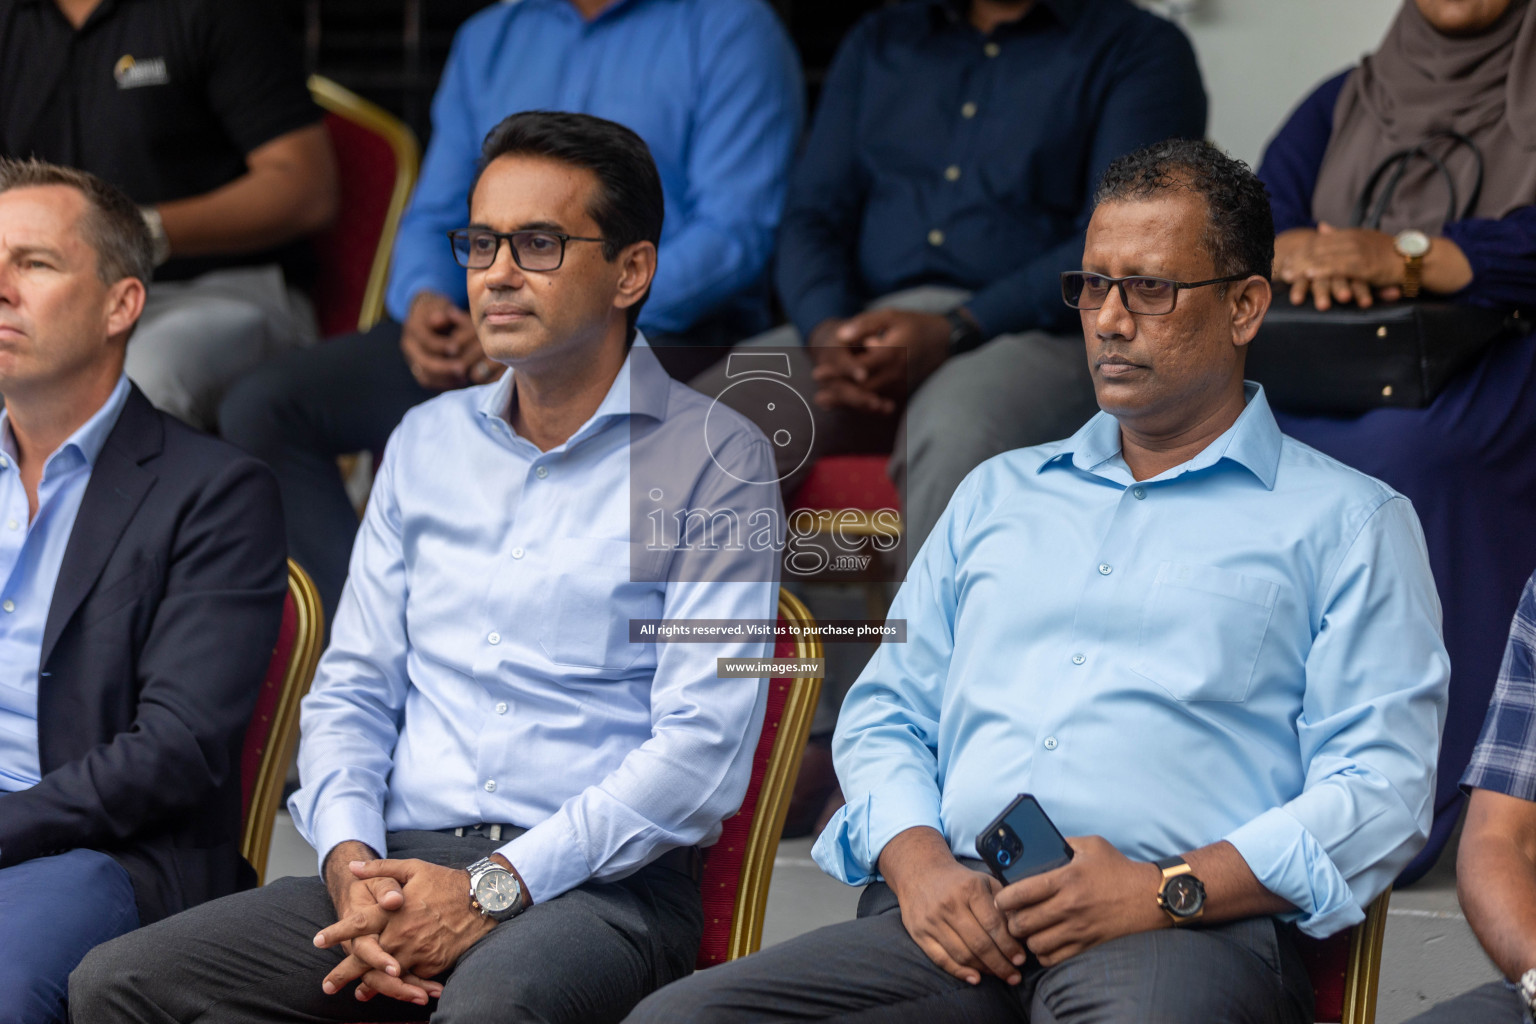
(1430, 953)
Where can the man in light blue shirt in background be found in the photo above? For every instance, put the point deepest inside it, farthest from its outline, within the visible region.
(1212, 654)
(539, 782)
(714, 89)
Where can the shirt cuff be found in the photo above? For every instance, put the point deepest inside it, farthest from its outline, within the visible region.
(339, 824)
(813, 308)
(1290, 862)
(849, 849)
(549, 859)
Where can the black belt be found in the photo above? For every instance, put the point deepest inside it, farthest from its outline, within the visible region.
(686, 860)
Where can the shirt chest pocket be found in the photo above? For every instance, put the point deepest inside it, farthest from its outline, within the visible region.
(1201, 630)
(596, 590)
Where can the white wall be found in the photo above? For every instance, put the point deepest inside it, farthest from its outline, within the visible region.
(1260, 57)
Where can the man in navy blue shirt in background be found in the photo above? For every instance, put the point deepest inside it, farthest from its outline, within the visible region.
(947, 181)
(712, 86)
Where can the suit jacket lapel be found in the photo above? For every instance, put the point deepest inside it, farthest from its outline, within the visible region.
(117, 486)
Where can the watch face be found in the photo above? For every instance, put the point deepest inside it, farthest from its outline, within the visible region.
(496, 891)
(1184, 895)
(1411, 243)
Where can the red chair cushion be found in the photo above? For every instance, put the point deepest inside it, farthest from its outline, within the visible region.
(367, 169)
(847, 481)
(1327, 963)
(722, 862)
(260, 730)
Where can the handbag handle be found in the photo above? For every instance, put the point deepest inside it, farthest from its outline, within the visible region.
(1397, 165)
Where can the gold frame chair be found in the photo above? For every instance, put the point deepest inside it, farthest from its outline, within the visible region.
(277, 754)
(778, 783)
(1363, 976)
(343, 102)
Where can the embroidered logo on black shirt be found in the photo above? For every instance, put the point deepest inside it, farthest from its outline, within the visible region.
(135, 74)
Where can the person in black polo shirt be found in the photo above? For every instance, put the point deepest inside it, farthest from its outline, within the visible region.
(199, 111)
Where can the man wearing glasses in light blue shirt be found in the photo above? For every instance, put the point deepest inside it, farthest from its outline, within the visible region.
(1211, 653)
(539, 782)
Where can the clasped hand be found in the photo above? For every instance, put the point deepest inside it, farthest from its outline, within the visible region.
(865, 362)
(401, 923)
(969, 924)
(1339, 265)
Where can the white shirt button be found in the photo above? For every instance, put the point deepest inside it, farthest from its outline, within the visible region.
(490, 785)
(1139, 493)
(952, 173)
(1078, 659)
(968, 111)
(517, 552)
(501, 707)
(494, 638)
(935, 237)
(1105, 568)
(13, 524)
(9, 606)
(1050, 743)
(991, 49)
(5, 463)
(541, 472)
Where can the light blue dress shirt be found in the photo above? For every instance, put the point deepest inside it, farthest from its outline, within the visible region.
(1245, 647)
(30, 556)
(712, 86)
(480, 667)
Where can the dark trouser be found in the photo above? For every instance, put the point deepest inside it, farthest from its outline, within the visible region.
(52, 911)
(1493, 1003)
(301, 410)
(870, 971)
(582, 958)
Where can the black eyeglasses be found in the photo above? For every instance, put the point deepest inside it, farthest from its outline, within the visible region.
(1152, 296)
(476, 248)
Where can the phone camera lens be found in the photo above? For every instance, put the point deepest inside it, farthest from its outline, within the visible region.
(1004, 858)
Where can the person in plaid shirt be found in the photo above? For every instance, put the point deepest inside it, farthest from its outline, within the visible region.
(1496, 864)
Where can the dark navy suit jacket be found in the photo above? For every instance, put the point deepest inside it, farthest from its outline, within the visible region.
(162, 622)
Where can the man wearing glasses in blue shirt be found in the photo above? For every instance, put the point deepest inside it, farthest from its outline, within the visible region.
(1211, 653)
(714, 89)
(538, 782)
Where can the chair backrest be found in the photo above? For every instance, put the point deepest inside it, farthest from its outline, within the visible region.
(1346, 968)
(377, 159)
(274, 728)
(738, 868)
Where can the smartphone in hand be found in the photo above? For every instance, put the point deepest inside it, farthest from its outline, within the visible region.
(1022, 841)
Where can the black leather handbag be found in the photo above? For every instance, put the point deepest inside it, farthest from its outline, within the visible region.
(1347, 360)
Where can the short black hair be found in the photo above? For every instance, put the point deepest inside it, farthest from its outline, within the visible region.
(628, 207)
(1240, 229)
(114, 227)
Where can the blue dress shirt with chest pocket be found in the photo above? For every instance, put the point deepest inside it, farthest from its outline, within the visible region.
(1245, 647)
(481, 668)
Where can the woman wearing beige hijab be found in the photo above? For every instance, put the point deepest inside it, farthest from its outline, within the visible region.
(1457, 80)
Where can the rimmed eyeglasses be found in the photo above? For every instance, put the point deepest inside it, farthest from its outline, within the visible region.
(476, 248)
(1151, 296)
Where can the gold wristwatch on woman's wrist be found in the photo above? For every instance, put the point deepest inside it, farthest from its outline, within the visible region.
(1412, 246)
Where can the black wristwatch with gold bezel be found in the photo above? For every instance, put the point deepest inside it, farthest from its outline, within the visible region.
(1182, 895)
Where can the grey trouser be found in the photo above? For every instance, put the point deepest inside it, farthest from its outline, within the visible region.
(196, 336)
(1016, 390)
(1493, 1003)
(870, 971)
(585, 957)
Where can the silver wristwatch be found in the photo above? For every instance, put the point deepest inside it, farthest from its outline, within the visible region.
(494, 891)
(1527, 989)
(157, 235)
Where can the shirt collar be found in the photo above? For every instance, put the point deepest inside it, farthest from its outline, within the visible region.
(1252, 442)
(88, 439)
(640, 389)
(956, 11)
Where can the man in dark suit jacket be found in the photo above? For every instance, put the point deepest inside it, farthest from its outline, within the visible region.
(141, 589)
